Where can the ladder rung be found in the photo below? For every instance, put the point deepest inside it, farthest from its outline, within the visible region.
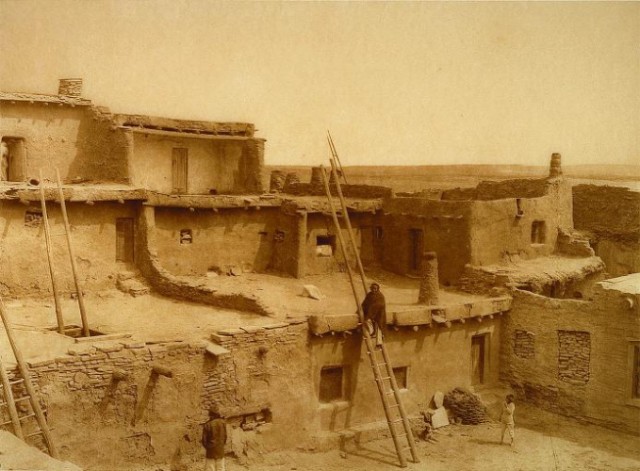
(7, 422)
(21, 398)
(39, 432)
(17, 381)
(397, 421)
(383, 378)
(24, 417)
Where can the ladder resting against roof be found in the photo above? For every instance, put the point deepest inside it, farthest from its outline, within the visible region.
(20, 423)
(378, 357)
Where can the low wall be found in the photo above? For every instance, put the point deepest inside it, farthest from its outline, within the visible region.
(170, 285)
(349, 191)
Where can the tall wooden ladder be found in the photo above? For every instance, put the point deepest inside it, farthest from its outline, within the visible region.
(381, 365)
(23, 427)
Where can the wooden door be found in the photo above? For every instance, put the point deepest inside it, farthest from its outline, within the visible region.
(124, 240)
(179, 167)
(477, 359)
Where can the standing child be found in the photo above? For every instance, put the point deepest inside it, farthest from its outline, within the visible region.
(508, 407)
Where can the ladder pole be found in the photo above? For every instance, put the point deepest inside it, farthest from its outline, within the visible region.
(26, 376)
(11, 404)
(47, 239)
(334, 152)
(403, 414)
(80, 296)
(348, 223)
(343, 247)
(365, 331)
(389, 368)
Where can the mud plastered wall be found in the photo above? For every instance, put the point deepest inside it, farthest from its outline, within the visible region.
(239, 238)
(577, 360)
(436, 359)
(23, 250)
(321, 230)
(612, 217)
(498, 235)
(78, 141)
(226, 166)
(445, 229)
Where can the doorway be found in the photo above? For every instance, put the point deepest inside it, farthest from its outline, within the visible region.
(478, 350)
(13, 159)
(416, 247)
(124, 240)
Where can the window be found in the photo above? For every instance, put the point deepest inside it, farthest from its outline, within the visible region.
(33, 218)
(635, 367)
(574, 351)
(12, 159)
(538, 232)
(400, 372)
(186, 236)
(325, 245)
(331, 383)
(523, 344)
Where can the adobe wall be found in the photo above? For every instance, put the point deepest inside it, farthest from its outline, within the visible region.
(78, 141)
(238, 238)
(612, 217)
(497, 234)
(23, 255)
(320, 225)
(227, 166)
(572, 356)
(446, 227)
(438, 359)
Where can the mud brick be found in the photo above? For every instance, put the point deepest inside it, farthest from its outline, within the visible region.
(110, 348)
(41, 363)
(134, 345)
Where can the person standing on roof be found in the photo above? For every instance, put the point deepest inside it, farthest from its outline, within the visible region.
(374, 309)
(214, 437)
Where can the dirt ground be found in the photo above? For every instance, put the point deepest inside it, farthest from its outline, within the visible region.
(544, 441)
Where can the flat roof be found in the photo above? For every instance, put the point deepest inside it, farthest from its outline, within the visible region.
(46, 99)
(629, 284)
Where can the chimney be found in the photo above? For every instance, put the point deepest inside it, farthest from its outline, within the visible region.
(70, 87)
(429, 284)
(555, 168)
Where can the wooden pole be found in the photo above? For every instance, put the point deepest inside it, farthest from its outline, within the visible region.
(47, 239)
(334, 152)
(10, 401)
(343, 203)
(83, 312)
(26, 376)
(387, 360)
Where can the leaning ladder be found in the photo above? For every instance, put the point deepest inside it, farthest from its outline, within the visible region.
(382, 368)
(7, 398)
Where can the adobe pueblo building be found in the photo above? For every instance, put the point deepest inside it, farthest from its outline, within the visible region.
(486, 288)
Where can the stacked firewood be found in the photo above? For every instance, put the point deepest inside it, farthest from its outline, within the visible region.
(465, 406)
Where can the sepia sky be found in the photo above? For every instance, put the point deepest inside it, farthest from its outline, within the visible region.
(396, 83)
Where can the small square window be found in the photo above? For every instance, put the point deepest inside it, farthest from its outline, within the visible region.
(331, 384)
(325, 245)
(33, 218)
(186, 237)
(400, 372)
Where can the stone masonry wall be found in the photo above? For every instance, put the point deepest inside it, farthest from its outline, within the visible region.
(572, 356)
